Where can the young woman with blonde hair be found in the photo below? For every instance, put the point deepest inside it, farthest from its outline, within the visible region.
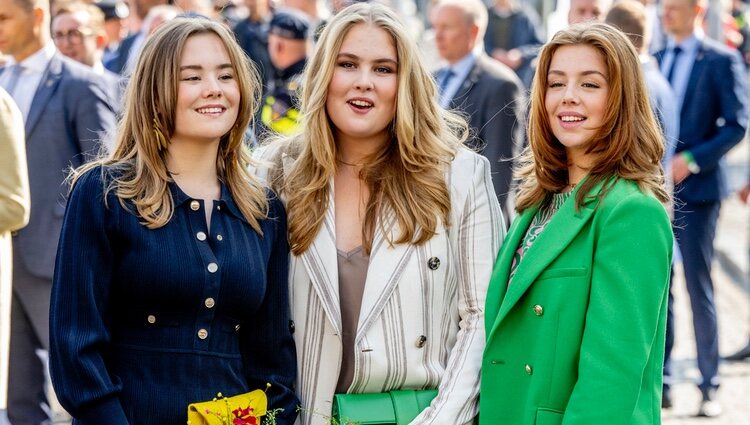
(576, 308)
(393, 226)
(171, 277)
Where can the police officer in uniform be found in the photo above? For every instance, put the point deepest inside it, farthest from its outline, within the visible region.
(287, 49)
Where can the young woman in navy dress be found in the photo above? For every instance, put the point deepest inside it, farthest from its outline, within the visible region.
(171, 277)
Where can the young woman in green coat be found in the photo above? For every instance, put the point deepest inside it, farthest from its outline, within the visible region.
(575, 313)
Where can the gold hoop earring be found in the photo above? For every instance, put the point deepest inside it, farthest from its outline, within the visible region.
(160, 139)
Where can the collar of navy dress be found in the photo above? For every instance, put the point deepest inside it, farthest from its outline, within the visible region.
(225, 202)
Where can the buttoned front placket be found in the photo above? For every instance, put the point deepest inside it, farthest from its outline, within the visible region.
(208, 248)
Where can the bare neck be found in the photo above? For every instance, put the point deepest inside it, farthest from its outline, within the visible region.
(193, 167)
(358, 151)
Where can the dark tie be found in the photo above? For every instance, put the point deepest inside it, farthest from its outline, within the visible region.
(675, 55)
(15, 74)
(445, 79)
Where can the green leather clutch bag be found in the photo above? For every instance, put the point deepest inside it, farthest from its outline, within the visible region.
(392, 408)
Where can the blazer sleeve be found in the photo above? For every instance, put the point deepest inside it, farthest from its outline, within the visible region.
(14, 179)
(81, 289)
(480, 232)
(268, 349)
(624, 329)
(731, 89)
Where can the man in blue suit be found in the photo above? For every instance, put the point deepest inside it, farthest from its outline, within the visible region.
(708, 81)
(67, 111)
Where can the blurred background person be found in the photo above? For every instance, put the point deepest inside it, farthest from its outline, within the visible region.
(316, 11)
(514, 35)
(630, 16)
(587, 10)
(252, 35)
(14, 214)
(78, 32)
(123, 60)
(709, 83)
(116, 13)
(287, 49)
(67, 111)
(198, 7)
(485, 91)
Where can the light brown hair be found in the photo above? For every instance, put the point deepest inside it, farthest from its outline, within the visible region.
(139, 161)
(628, 145)
(407, 176)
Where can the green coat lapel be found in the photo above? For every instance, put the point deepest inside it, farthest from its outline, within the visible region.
(501, 271)
(558, 234)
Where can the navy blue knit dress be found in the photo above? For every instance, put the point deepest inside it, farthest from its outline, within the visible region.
(144, 322)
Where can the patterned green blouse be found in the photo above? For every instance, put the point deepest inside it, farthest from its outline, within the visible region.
(540, 220)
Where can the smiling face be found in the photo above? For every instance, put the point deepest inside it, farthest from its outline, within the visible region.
(576, 98)
(208, 94)
(361, 99)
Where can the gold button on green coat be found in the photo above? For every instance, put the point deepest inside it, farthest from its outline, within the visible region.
(538, 310)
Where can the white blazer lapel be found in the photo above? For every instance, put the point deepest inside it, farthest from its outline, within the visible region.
(320, 261)
(387, 264)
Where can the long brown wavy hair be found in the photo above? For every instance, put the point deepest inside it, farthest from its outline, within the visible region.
(406, 177)
(140, 174)
(629, 145)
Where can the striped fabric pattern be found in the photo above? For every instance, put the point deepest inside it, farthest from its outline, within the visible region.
(404, 300)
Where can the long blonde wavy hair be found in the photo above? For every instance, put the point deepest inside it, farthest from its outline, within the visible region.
(138, 164)
(406, 177)
(629, 145)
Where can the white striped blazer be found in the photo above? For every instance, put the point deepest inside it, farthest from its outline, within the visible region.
(422, 319)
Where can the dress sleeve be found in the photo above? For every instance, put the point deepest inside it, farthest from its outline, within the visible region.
(268, 349)
(480, 232)
(623, 337)
(79, 309)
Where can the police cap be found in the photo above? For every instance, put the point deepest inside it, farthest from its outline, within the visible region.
(289, 24)
(113, 9)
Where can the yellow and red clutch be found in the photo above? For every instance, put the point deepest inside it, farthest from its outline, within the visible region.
(242, 409)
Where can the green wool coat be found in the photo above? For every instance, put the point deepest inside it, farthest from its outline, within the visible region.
(578, 336)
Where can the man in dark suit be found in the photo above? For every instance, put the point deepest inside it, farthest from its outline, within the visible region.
(487, 92)
(66, 110)
(708, 81)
